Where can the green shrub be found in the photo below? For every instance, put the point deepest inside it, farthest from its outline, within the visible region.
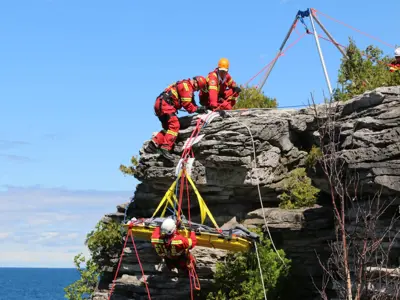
(103, 241)
(130, 170)
(105, 238)
(363, 71)
(298, 190)
(250, 97)
(84, 287)
(313, 156)
(239, 276)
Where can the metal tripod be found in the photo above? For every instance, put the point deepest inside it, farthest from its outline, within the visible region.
(300, 16)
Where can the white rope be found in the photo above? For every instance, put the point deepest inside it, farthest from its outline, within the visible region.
(261, 274)
(258, 186)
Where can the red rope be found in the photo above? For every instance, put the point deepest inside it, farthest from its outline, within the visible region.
(277, 56)
(362, 52)
(194, 277)
(193, 280)
(191, 287)
(351, 27)
(327, 39)
(188, 197)
(140, 264)
(129, 233)
(119, 265)
(181, 193)
(196, 130)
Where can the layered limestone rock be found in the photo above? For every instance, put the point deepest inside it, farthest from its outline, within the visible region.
(259, 147)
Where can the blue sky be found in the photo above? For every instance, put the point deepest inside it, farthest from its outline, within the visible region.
(78, 80)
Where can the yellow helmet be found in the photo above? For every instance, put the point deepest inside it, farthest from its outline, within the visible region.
(223, 64)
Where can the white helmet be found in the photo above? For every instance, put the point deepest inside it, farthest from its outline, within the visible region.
(168, 226)
(397, 52)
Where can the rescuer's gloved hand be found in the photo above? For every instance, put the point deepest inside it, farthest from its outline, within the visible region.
(201, 110)
(237, 89)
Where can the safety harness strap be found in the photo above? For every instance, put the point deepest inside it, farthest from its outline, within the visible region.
(167, 95)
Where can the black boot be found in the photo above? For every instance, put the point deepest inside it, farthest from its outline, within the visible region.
(151, 147)
(166, 154)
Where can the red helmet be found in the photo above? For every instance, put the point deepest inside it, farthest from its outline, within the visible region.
(201, 82)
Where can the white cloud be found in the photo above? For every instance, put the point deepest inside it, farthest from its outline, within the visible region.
(61, 257)
(46, 227)
(70, 236)
(4, 235)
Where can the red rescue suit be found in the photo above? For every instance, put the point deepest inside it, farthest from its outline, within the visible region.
(174, 249)
(394, 66)
(220, 92)
(174, 97)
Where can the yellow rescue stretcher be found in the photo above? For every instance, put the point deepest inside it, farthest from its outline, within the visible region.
(237, 239)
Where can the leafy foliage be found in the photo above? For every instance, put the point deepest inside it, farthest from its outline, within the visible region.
(313, 156)
(250, 97)
(363, 71)
(130, 170)
(299, 192)
(85, 286)
(239, 276)
(106, 238)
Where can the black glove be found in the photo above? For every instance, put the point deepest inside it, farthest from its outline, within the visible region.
(222, 113)
(201, 109)
(237, 89)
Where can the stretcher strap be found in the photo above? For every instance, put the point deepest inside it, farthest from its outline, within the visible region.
(203, 206)
(170, 198)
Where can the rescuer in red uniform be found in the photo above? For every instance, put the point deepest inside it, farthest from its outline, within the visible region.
(395, 65)
(176, 96)
(173, 247)
(222, 89)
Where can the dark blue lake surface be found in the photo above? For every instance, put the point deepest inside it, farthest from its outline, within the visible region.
(35, 283)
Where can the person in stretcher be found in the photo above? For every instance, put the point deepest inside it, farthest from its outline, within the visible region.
(173, 247)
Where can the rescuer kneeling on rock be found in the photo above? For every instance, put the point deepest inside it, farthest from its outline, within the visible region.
(222, 91)
(176, 96)
(173, 247)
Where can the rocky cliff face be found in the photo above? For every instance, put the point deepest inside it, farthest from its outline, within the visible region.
(226, 174)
